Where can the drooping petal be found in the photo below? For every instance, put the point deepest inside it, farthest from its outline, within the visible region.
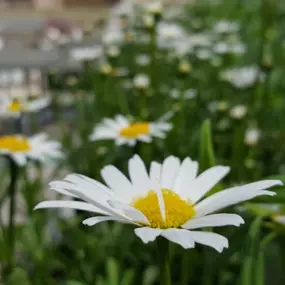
(77, 205)
(138, 175)
(206, 181)
(147, 234)
(179, 236)
(131, 212)
(234, 195)
(118, 182)
(185, 176)
(217, 220)
(96, 220)
(216, 241)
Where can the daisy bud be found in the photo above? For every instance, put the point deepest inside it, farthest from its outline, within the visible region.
(106, 69)
(113, 51)
(238, 112)
(148, 21)
(184, 67)
(141, 81)
(252, 136)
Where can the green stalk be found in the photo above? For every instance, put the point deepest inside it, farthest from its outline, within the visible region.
(14, 174)
(164, 264)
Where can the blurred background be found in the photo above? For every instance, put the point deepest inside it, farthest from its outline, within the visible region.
(215, 68)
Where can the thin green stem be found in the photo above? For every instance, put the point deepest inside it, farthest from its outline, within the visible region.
(164, 264)
(14, 173)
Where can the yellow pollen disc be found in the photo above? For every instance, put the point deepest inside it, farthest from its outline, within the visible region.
(135, 130)
(177, 210)
(15, 143)
(15, 106)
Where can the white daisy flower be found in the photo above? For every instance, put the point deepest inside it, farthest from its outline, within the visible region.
(124, 131)
(38, 147)
(167, 201)
(243, 77)
(14, 108)
(225, 26)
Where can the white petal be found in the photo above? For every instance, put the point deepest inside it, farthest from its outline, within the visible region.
(155, 175)
(96, 220)
(179, 236)
(20, 159)
(122, 121)
(102, 134)
(206, 181)
(147, 234)
(234, 195)
(70, 205)
(118, 182)
(139, 176)
(131, 212)
(217, 220)
(61, 191)
(145, 138)
(213, 240)
(91, 192)
(185, 176)
(169, 171)
(111, 124)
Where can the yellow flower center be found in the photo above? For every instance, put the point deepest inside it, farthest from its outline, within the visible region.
(135, 130)
(15, 106)
(15, 143)
(177, 210)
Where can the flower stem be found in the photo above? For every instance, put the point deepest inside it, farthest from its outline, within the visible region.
(14, 173)
(164, 266)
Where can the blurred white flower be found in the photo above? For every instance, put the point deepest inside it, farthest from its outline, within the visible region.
(225, 26)
(238, 111)
(204, 54)
(76, 34)
(53, 34)
(243, 77)
(21, 148)
(142, 59)
(252, 136)
(148, 21)
(113, 51)
(86, 53)
(125, 132)
(227, 48)
(113, 33)
(124, 8)
(169, 34)
(154, 7)
(14, 107)
(158, 202)
(141, 81)
(188, 94)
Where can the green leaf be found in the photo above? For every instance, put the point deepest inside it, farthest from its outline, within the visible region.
(19, 276)
(128, 277)
(112, 272)
(206, 157)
